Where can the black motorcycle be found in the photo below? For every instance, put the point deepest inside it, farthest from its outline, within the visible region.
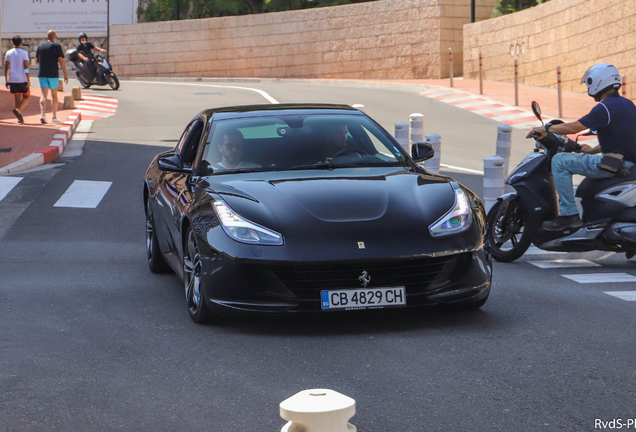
(104, 72)
(514, 221)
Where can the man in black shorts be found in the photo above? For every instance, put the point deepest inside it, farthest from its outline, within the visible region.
(16, 74)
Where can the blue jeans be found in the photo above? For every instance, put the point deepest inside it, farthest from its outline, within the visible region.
(566, 164)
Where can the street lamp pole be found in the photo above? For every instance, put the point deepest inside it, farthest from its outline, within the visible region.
(472, 11)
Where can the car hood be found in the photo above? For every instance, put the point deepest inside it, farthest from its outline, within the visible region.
(339, 202)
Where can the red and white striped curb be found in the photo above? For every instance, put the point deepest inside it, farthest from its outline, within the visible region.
(52, 152)
(495, 110)
(91, 107)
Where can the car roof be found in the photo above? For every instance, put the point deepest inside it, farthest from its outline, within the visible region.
(244, 111)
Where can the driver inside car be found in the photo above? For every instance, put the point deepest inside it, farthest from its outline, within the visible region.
(231, 150)
(335, 139)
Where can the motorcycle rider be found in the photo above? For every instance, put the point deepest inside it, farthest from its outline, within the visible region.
(614, 119)
(85, 52)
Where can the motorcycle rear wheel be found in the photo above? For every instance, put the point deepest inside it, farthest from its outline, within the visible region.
(113, 82)
(506, 236)
(86, 84)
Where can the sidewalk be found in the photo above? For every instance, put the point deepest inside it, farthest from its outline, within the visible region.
(574, 105)
(20, 140)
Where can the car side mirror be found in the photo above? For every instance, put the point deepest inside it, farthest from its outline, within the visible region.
(422, 151)
(172, 162)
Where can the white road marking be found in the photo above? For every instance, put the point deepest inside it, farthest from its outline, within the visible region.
(84, 194)
(7, 184)
(601, 278)
(460, 98)
(623, 295)
(564, 263)
(533, 250)
(473, 104)
(261, 92)
(451, 167)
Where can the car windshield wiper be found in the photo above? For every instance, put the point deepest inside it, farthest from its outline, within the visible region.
(321, 166)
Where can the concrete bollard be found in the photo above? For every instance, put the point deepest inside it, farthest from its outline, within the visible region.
(493, 180)
(504, 141)
(417, 128)
(60, 86)
(68, 102)
(318, 410)
(77, 93)
(432, 164)
(402, 135)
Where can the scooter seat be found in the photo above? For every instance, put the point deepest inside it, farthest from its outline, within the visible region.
(590, 187)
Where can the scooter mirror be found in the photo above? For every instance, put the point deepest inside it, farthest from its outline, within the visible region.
(536, 109)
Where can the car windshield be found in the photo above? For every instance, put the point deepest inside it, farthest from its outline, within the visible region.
(296, 142)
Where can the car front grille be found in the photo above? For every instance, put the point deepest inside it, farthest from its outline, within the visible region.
(305, 281)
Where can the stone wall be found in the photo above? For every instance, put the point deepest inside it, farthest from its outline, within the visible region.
(395, 39)
(31, 45)
(573, 34)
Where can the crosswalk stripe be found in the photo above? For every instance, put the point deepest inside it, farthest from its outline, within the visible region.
(533, 250)
(623, 295)
(7, 184)
(84, 194)
(563, 263)
(601, 278)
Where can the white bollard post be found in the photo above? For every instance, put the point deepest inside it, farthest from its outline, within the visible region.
(494, 185)
(402, 135)
(432, 164)
(318, 410)
(417, 127)
(504, 141)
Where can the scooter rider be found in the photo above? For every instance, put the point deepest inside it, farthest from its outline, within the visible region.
(84, 51)
(614, 119)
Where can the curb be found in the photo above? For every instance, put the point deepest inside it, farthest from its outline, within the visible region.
(52, 152)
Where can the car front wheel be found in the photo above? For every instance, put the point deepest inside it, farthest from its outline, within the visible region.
(193, 282)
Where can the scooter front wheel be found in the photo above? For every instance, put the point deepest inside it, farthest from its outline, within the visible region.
(506, 236)
(113, 82)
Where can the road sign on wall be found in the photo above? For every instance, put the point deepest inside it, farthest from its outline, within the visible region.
(32, 18)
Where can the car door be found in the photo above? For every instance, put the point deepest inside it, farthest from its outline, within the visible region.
(176, 187)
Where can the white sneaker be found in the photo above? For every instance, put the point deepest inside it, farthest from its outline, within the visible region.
(43, 119)
(56, 120)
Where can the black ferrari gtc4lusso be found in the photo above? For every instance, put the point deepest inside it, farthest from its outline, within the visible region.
(310, 208)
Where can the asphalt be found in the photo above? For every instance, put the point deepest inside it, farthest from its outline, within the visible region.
(18, 141)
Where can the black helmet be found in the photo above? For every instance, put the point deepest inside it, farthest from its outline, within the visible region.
(81, 35)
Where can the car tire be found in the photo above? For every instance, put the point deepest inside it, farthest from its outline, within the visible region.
(193, 282)
(155, 260)
(498, 232)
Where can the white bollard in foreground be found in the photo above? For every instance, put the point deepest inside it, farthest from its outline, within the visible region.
(504, 141)
(417, 127)
(493, 180)
(432, 164)
(318, 410)
(402, 135)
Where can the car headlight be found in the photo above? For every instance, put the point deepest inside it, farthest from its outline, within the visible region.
(243, 230)
(456, 220)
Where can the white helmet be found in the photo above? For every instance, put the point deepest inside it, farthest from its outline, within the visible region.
(600, 77)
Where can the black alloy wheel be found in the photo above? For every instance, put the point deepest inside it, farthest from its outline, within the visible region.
(155, 260)
(506, 236)
(192, 280)
(113, 82)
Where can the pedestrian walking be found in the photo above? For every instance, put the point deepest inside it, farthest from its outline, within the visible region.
(16, 75)
(48, 55)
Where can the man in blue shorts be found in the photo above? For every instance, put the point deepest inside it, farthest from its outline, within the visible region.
(48, 56)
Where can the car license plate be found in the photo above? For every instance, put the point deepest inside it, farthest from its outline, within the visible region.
(367, 298)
